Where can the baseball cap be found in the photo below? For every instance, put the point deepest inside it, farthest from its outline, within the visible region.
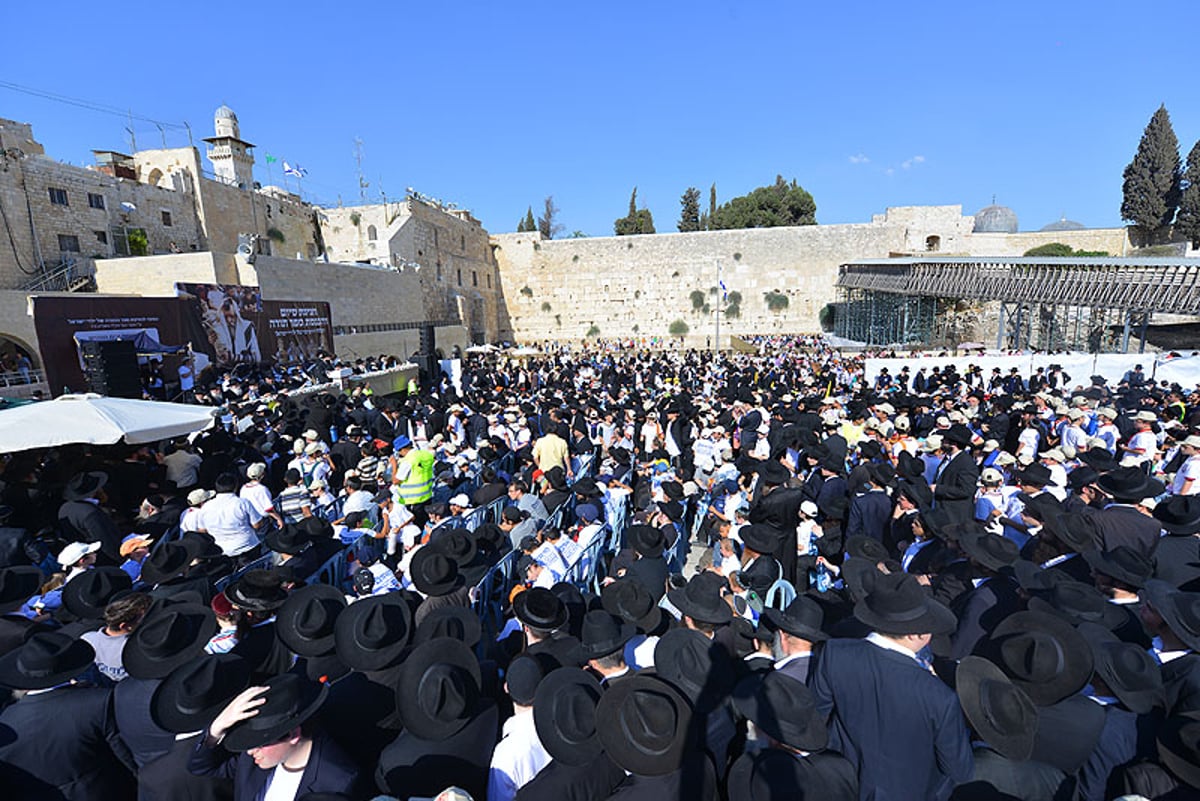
(76, 551)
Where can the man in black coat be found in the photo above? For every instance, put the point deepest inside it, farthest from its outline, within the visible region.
(957, 477)
(81, 518)
(1125, 521)
(778, 506)
(871, 510)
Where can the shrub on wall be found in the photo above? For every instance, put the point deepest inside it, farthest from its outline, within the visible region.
(546, 306)
(678, 328)
(776, 301)
(594, 331)
(697, 297)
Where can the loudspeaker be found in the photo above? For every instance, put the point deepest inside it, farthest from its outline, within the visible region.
(111, 368)
(428, 340)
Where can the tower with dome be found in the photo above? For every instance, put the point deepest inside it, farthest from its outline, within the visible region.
(232, 161)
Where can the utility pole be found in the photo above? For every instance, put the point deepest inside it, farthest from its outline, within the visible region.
(720, 300)
(362, 182)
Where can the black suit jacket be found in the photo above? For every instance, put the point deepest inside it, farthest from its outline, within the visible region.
(955, 487)
(168, 778)
(1125, 525)
(1181, 683)
(329, 770)
(87, 522)
(651, 573)
(63, 745)
(759, 575)
(781, 511)
(593, 781)
(147, 741)
(412, 766)
(870, 515)
(979, 611)
(1177, 560)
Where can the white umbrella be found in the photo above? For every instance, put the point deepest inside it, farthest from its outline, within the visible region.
(97, 420)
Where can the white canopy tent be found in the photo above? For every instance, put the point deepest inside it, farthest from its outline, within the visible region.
(97, 420)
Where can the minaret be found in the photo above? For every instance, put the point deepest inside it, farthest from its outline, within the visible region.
(230, 155)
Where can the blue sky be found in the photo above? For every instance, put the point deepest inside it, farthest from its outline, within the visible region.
(495, 105)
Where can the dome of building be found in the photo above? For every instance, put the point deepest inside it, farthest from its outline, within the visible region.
(224, 113)
(995, 220)
(1063, 224)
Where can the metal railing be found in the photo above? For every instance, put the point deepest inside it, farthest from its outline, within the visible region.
(68, 275)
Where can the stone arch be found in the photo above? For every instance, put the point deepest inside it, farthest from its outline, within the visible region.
(372, 233)
(155, 177)
(933, 243)
(11, 347)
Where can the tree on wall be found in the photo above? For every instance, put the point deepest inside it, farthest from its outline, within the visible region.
(1188, 221)
(1150, 193)
(689, 213)
(527, 223)
(678, 329)
(712, 207)
(637, 221)
(782, 203)
(548, 223)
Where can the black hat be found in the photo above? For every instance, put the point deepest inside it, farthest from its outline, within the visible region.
(564, 714)
(45, 660)
(1076, 602)
(1081, 476)
(290, 700)
(700, 601)
(759, 537)
(959, 435)
(695, 665)
(522, 678)
(774, 775)
(1123, 563)
(196, 692)
(833, 463)
(993, 551)
(372, 633)
(1179, 610)
(1130, 672)
(1042, 506)
(587, 487)
(882, 473)
(18, 584)
(1099, 459)
(646, 540)
(306, 622)
(861, 546)
(774, 473)
(1129, 485)
(433, 573)
(541, 609)
(897, 604)
(643, 724)
(86, 595)
(1000, 712)
(802, 618)
(257, 590)
(291, 539)
(82, 485)
(1033, 577)
(631, 601)
(168, 637)
(168, 560)
(1043, 655)
(603, 634)
(1179, 747)
(1179, 514)
(1036, 474)
(438, 689)
(783, 708)
(457, 543)
(457, 622)
(200, 545)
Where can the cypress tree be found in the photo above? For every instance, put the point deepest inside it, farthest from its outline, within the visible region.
(530, 223)
(1188, 222)
(1152, 180)
(712, 205)
(689, 215)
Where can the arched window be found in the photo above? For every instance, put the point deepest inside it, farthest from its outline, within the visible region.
(933, 244)
(372, 234)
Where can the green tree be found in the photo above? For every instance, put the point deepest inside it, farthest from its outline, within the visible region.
(1188, 222)
(1051, 249)
(548, 223)
(527, 223)
(712, 207)
(1150, 193)
(678, 329)
(697, 297)
(782, 203)
(637, 221)
(689, 214)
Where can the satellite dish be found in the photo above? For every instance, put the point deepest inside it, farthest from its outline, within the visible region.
(127, 206)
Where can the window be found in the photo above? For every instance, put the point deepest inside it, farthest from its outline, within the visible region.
(489, 280)
(474, 278)
(58, 196)
(68, 243)
(166, 218)
(94, 201)
(460, 276)
(462, 242)
(372, 233)
(439, 270)
(933, 243)
(101, 237)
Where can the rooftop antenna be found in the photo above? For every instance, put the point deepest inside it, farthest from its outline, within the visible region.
(362, 182)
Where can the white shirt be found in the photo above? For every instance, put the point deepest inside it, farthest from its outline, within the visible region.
(359, 501)
(1189, 469)
(231, 521)
(875, 638)
(1147, 442)
(284, 784)
(518, 757)
(182, 468)
(108, 652)
(258, 495)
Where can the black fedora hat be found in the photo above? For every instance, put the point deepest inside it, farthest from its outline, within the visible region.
(1179, 514)
(457, 543)
(564, 714)
(169, 636)
(306, 621)
(1129, 485)
(1179, 610)
(433, 573)
(457, 622)
(587, 487)
(1043, 655)
(759, 537)
(195, 692)
(1082, 476)
(86, 595)
(46, 659)
(257, 590)
(165, 562)
(541, 609)
(695, 665)
(1000, 712)
(672, 490)
(859, 577)
(959, 435)
(1032, 577)
(774, 473)
(603, 634)
(200, 546)
(993, 551)
(1099, 459)
(783, 708)
(1036, 474)
(372, 633)
(801, 618)
(82, 485)
(17, 585)
(1076, 602)
(1042, 506)
(1179, 747)
(897, 604)
(291, 539)
(644, 725)
(1122, 563)
(1130, 672)
(861, 546)
(438, 690)
(631, 601)
(700, 601)
(646, 540)
(291, 699)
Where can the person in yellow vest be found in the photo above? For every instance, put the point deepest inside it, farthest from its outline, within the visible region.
(413, 479)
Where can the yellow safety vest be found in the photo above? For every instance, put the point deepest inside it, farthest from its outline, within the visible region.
(418, 486)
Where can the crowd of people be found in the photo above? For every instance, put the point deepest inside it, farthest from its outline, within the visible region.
(957, 587)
